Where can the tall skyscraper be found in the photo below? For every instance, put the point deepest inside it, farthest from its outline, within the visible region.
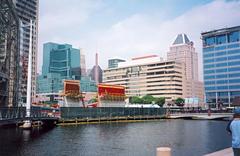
(28, 10)
(9, 54)
(83, 64)
(183, 50)
(60, 61)
(221, 64)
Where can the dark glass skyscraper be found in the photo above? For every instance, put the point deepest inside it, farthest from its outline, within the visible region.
(221, 64)
(27, 10)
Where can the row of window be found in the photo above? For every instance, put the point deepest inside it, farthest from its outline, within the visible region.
(233, 69)
(210, 49)
(222, 81)
(229, 52)
(223, 94)
(222, 87)
(237, 57)
(220, 76)
(235, 63)
(221, 39)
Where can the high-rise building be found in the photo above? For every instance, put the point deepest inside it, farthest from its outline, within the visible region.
(9, 54)
(96, 77)
(221, 64)
(148, 75)
(113, 63)
(83, 64)
(182, 50)
(27, 10)
(60, 61)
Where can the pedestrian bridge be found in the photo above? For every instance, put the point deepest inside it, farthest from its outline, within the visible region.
(201, 116)
(15, 115)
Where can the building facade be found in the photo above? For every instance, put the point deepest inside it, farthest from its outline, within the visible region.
(28, 10)
(60, 62)
(9, 54)
(148, 75)
(221, 64)
(113, 63)
(182, 50)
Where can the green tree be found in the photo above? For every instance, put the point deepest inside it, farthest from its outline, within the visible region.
(179, 101)
(148, 99)
(136, 99)
(160, 101)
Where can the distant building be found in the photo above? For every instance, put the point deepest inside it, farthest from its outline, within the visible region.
(28, 10)
(113, 63)
(221, 64)
(50, 83)
(60, 62)
(93, 75)
(88, 85)
(9, 54)
(83, 64)
(182, 50)
(148, 75)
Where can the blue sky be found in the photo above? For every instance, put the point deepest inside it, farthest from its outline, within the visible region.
(127, 28)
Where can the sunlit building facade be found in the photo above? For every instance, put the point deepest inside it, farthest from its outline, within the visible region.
(148, 75)
(221, 64)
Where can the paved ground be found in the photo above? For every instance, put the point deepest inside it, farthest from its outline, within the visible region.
(225, 152)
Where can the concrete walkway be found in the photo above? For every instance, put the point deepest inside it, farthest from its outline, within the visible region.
(224, 152)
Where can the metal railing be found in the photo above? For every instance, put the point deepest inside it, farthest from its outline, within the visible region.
(9, 113)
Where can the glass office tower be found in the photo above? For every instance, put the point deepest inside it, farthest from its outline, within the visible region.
(221, 64)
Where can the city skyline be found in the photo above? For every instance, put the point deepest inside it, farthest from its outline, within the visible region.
(127, 31)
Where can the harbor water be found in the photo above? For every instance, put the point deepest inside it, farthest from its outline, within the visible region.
(185, 137)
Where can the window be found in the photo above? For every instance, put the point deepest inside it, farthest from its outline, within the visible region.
(210, 41)
(222, 82)
(237, 51)
(221, 53)
(234, 81)
(209, 82)
(221, 39)
(209, 77)
(209, 71)
(222, 93)
(221, 70)
(209, 66)
(208, 49)
(221, 76)
(209, 88)
(234, 87)
(234, 63)
(208, 55)
(233, 46)
(221, 64)
(234, 69)
(209, 61)
(211, 94)
(234, 75)
(235, 93)
(222, 87)
(233, 36)
(234, 57)
(221, 59)
(220, 48)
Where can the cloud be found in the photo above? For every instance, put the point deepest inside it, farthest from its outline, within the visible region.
(144, 33)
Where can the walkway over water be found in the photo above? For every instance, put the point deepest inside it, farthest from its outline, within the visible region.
(201, 116)
(14, 115)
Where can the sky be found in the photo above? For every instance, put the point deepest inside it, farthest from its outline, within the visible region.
(129, 28)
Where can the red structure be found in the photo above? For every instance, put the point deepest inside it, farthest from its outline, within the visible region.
(105, 89)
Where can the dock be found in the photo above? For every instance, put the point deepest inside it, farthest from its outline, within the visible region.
(224, 152)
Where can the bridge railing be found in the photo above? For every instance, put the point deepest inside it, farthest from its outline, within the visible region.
(8, 113)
